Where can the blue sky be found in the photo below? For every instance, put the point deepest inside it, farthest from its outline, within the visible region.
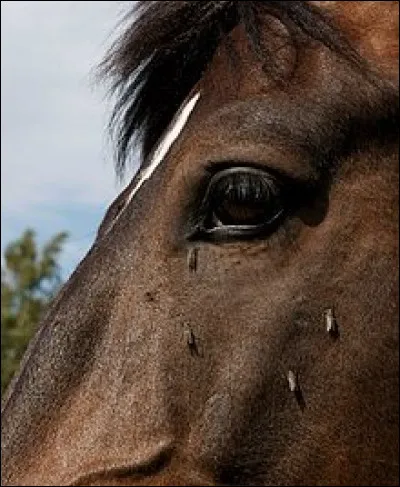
(56, 160)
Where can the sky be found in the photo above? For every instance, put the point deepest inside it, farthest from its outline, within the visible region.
(57, 170)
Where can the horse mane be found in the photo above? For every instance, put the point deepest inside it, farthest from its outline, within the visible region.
(163, 53)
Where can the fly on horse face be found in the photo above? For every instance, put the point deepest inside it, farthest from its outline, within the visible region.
(236, 320)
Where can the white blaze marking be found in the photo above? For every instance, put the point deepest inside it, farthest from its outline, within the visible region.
(175, 128)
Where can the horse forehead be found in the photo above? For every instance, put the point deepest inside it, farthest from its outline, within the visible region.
(372, 27)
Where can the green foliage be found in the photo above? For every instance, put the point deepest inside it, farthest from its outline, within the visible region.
(30, 277)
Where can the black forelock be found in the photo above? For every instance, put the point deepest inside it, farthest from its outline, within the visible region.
(168, 45)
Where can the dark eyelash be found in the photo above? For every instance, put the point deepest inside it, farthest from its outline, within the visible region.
(248, 184)
(242, 187)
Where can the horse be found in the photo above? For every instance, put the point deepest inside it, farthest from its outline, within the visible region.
(236, 319)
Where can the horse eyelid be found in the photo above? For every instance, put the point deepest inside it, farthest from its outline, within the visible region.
(214, 167)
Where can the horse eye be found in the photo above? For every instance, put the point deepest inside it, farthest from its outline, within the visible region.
(242, 202)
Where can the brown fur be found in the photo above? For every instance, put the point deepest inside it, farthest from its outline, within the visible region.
(110, 394)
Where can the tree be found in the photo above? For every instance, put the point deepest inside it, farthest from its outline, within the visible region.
(30, 277)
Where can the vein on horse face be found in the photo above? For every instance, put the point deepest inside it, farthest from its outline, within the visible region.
(166, 143)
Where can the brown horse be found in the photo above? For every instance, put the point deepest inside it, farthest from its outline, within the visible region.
(236, 320)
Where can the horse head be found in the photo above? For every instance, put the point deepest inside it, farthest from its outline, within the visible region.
(236, 320)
